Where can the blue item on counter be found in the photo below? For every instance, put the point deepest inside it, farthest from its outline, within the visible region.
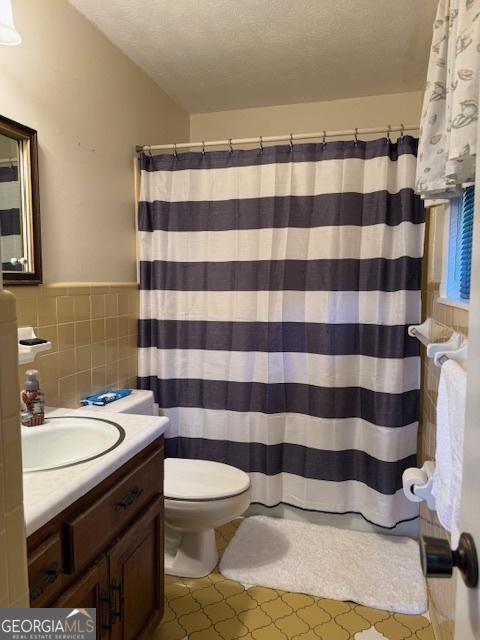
(101, 399)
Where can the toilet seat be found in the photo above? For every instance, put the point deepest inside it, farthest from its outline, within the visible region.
(202, 480)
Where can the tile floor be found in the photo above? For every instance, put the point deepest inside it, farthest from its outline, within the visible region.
(214, 608)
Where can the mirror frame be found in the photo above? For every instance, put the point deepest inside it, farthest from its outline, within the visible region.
(27, 135)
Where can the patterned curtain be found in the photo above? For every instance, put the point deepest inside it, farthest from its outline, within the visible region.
(276, 290)
(448, 137)
(10, 225)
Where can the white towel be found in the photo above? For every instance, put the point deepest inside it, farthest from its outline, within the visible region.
(447, 479)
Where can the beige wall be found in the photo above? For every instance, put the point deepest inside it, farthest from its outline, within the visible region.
(371, 111)
(90, 105)
(13, 566)
(441, 592)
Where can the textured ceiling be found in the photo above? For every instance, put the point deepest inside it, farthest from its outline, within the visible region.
(211, 55)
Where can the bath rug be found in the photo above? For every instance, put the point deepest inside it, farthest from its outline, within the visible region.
(374, 570)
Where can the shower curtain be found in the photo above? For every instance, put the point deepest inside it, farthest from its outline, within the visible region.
(10, 225)
(276, 290)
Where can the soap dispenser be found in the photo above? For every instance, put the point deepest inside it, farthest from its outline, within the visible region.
(33, 401)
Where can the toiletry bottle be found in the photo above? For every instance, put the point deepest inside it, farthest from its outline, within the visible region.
(33, 401)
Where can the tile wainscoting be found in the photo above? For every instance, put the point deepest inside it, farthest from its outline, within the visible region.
(93, 330)
(441, 592)
(13, 554)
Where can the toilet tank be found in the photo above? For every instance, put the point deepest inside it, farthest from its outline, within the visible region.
(140, 402)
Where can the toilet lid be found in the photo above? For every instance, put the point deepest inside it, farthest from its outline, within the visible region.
(202, 480)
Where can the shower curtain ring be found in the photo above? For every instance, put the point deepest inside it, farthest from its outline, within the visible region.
(324, 138)
(355, 135)
(149, 150)
(291, 142)
(261, 144)
(230, 145)
(389, 130)
(175, 150)
(402, 132)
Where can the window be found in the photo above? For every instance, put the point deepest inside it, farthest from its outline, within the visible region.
(458, 267)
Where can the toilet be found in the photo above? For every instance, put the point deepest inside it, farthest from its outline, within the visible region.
(200, 495)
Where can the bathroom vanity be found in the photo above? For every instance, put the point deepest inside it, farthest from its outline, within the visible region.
(104, 549)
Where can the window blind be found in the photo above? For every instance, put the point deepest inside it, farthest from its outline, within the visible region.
(465, 241)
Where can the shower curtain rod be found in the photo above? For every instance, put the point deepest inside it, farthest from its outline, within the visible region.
(291, 137)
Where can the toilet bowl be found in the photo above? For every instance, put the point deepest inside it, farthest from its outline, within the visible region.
(199, 496)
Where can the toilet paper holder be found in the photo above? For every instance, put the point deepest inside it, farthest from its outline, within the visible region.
(418, 484)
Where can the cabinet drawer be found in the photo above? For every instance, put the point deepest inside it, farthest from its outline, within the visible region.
(93, 529)
(45, 569)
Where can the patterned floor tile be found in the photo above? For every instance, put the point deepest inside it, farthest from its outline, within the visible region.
(369, 634)
(215, 608)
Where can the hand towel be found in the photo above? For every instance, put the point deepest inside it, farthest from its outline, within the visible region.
(447, 479)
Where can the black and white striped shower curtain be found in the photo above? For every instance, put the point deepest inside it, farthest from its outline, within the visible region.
(10, 224)
(276, 290)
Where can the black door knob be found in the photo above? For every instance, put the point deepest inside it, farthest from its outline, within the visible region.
(438, 559)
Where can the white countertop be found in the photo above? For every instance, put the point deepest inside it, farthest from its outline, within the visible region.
(47, 493)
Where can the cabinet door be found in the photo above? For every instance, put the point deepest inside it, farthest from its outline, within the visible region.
(91, 590)
(136, 575)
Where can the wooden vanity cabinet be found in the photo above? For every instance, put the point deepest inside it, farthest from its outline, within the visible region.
(136, 561)
(91, 590)
(106, 551)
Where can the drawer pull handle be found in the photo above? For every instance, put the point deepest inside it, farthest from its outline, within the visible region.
(45, 580)
(116, 610)
(129, 499)
(106, 611)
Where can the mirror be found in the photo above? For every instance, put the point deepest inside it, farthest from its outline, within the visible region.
(19, 204)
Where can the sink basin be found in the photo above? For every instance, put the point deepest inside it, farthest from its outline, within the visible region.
(64, 441)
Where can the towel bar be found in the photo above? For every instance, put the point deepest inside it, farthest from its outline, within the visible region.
(430, 333)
